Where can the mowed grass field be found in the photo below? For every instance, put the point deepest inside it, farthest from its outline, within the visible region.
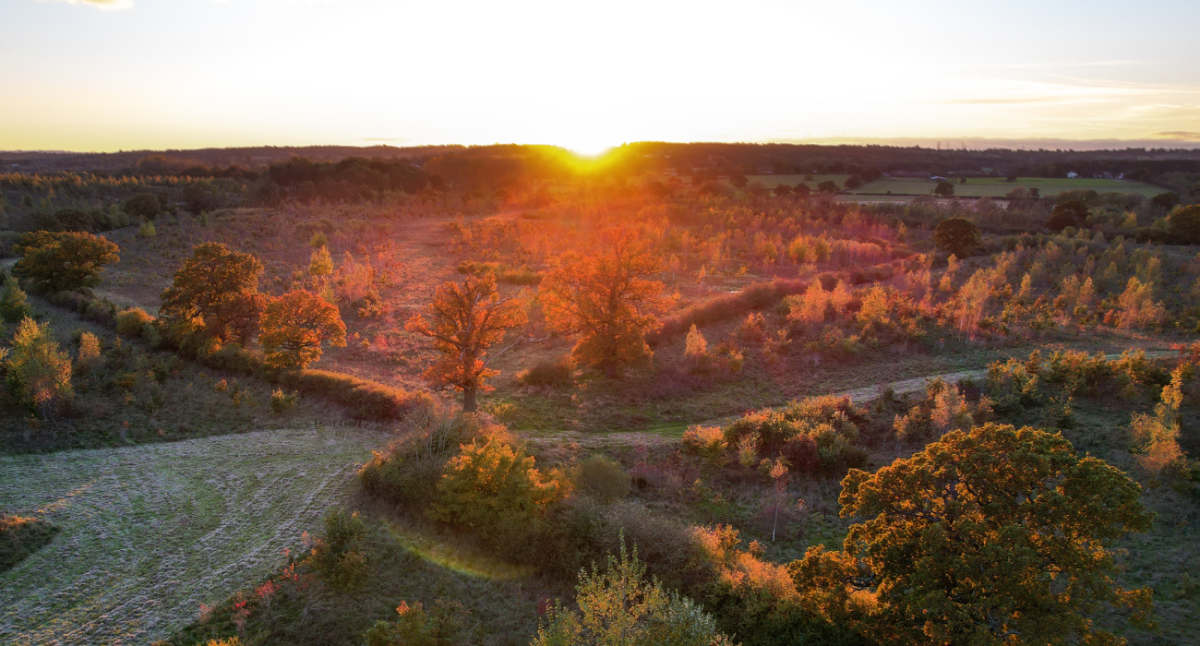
(151, 532)
(999, 186)
(771, 181)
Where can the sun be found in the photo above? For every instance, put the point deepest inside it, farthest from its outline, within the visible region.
(588, 146)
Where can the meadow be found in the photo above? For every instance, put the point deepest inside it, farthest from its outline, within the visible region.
(999, 187)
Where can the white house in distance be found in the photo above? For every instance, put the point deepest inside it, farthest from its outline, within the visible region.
(1072, 175)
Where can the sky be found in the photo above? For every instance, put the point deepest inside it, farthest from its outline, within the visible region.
(92, 75)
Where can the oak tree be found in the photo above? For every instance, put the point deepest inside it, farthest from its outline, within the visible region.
(463, 320)
(296, 325)
(958, 236)
(216, 290)
(988, 537)
(607, 297)
(67, 260)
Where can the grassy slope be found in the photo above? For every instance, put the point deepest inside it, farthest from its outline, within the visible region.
(151, 532)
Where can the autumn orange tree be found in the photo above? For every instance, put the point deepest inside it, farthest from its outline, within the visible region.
(463, 321)
(996, 536)
(608, 298)
(296, 325)
(216, 291)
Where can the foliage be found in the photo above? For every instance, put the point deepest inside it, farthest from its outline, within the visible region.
(407, 472)
(364, 400)
(607, 298)
(21, 536)
(601, 478)
(39, 373)
(996, 536)
(815, 434)
(296, 325)
(143, 205)
(559, 373)
(1071, 213)
(337, 555)
(957, 236)
(134, 322)
(64, 261)
(14, 305)
(217, 290)
(281, 402)
(417, 627)
(89, 352)
(1184, 225)
(944, 189)
(493, 490)
(618, 607)
(463, 321)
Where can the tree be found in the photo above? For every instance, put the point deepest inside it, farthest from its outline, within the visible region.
(618, 607)
(1011, 179)
(216, 290)
(801, 190)
(1184, 225)
(828, 186)
(944, 189)
(69, 260)
(782, 190)
(958, 236)
(197, 199)
(14, 305)
(606, 297)
(1072, 213)
(295, 326)
(853, 182)
(1165, 201)
(996, 536)
(144, 205)
(39, 373)
(738, 180)
(463, 321)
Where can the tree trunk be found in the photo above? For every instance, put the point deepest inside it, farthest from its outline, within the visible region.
(469, 400)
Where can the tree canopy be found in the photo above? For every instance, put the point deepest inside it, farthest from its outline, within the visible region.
(463, 321)
(1184, 225)
(67, 260)
(296, 325)
(39, 373)
(607, 297)
(144, 205)
(996, 536)
(216, 290)
(958, 236)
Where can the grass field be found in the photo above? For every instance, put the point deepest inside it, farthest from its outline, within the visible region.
(771, 181)
(151, 532)
(999, 186)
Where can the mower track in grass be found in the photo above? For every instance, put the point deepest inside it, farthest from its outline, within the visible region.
(151, 532)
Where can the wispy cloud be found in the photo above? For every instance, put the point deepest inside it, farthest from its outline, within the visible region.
(1184, 135)
(107, 5)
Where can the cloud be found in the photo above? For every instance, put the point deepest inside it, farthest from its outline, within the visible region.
(107, 5)
(1185, 135)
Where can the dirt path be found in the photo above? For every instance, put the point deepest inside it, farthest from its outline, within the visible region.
(863, 394)
(151, 532)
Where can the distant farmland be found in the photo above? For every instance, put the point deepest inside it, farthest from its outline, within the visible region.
(999, 187)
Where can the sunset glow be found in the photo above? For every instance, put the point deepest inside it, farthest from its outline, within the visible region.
(91, 75)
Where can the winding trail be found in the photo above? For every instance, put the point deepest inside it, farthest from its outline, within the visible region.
(862, 394)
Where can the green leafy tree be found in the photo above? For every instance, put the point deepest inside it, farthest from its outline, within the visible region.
(828, 186)
(216, 291)
(1165, 201)
(463, 321)
(39, 373)
(619, 607)
(68, 260)
(996, 537)
(944, 189)
(958, 236)
(14, 305)
(853, 182)
(337, 556)
(143, 205)
(442, 626)
(494, 490)
(1184, 225)
(295, 327)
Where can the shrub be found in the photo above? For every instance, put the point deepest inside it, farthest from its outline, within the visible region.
(493, 490)
(555, 374)
(364, 400)
(133, 322)
(14, 305)
(336, 556)
(21, 536)
(707, 442)
(601, 478)
(89, 352)
(407, 472)
(416, 627)
(756, 296)
(826, 421)
(281, 401)
(956, 236)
